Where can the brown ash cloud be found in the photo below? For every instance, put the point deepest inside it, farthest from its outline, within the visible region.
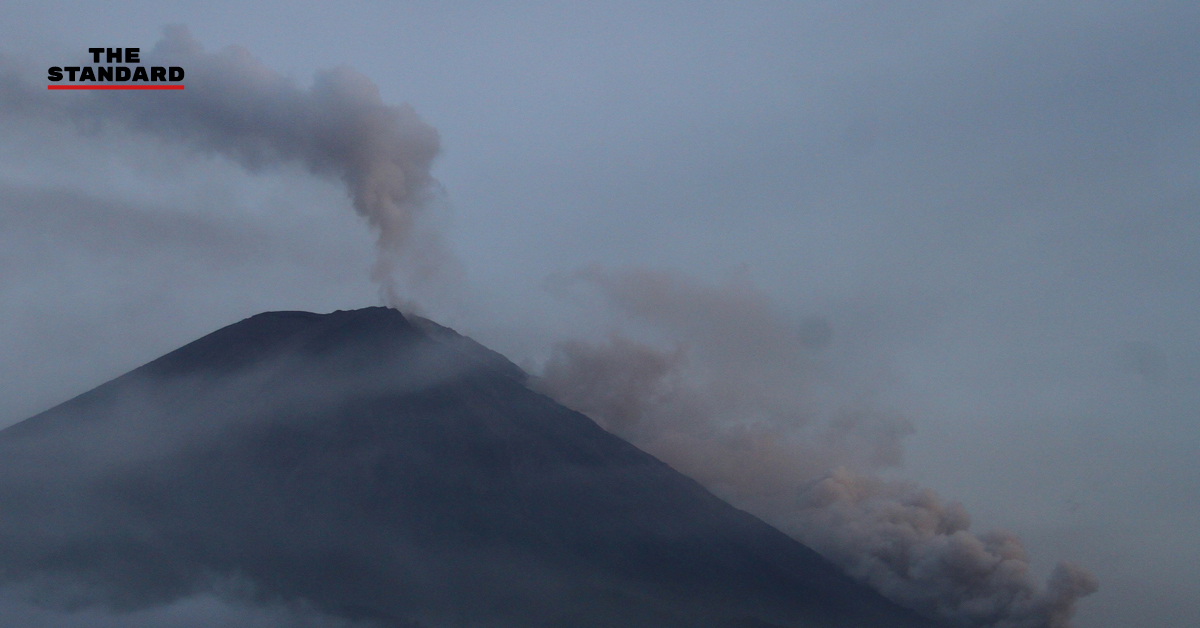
(748, 403)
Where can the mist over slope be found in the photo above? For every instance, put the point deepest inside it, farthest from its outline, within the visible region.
(727, 397)
(365, 467)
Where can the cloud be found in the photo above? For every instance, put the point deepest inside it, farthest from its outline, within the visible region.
(235, 107)
(21, 606)
(757, 407)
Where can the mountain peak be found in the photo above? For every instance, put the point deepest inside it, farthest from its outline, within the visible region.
(385, 467)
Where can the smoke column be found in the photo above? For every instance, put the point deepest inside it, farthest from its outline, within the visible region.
(746, 403)
(743, 400)
(235, 107)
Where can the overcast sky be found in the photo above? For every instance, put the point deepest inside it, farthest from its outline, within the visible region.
(997, 203)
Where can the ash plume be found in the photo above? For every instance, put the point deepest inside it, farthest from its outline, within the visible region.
(742, 398)
(340, 127)
(745, 401)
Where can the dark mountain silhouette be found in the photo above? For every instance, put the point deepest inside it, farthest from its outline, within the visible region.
(387, 469)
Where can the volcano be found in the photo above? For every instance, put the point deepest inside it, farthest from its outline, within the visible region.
(388, 470)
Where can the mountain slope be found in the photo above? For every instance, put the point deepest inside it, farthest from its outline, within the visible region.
(390, 470)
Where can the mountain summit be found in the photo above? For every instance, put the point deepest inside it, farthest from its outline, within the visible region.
(383, 468)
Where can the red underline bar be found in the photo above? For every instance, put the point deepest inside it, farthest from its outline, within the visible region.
(114, 87)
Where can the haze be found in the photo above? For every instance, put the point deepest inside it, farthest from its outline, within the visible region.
(995, 208)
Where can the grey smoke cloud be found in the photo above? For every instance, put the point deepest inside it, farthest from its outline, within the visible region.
(235, 107)
(917, 549)
(1066, 142)
(750, 404)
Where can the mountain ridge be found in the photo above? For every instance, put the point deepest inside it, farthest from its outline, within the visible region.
(387, 468)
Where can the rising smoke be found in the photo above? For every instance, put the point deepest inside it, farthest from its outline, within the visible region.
(746, 402)
(340, 127)
(743, 399)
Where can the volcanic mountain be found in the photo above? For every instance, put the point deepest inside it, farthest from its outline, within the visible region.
(386, 469)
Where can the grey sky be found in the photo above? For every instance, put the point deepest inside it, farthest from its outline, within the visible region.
(997, 204)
